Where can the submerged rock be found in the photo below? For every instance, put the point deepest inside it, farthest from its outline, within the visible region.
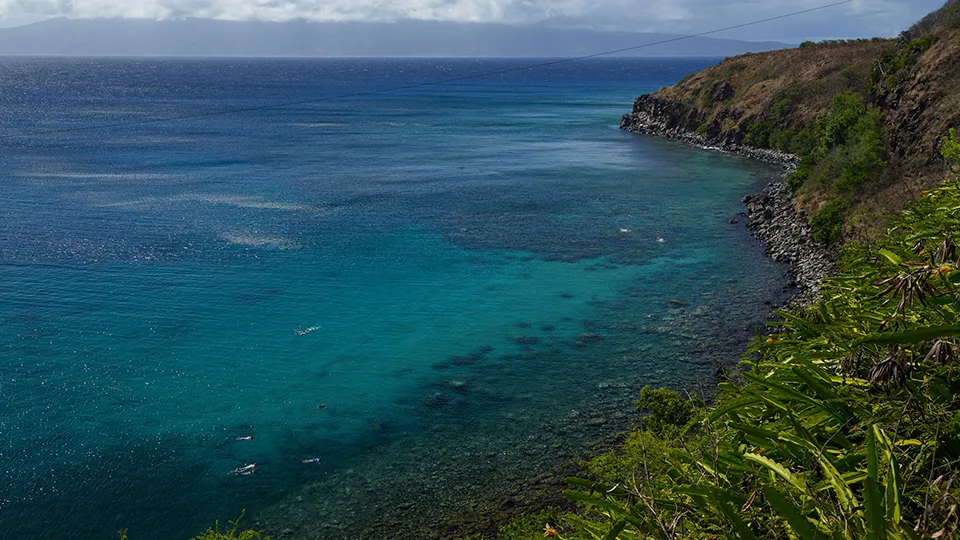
(435, 401)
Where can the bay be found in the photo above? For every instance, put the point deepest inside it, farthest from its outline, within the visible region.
(477, 264)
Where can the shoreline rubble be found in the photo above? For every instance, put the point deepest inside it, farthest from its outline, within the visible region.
(772, 218)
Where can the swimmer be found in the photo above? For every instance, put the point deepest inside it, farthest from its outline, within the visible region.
(245, 470)
(660, 238)
(322, 405)
(239, 438)
(306, 331)
(311, 460)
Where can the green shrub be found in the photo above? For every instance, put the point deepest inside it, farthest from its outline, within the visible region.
(844, 149)
(827, 224)
(767, 132)
(785, 99)
(835, 125)
(894, 65)
(232, 532)
(758, 133)
(666, 411)
(798, 177)
(781, 139)
(731, 68)
(855, 77)
(865, 152)
(950, 150)
(846, 424)
(803, 142)
(532, 526)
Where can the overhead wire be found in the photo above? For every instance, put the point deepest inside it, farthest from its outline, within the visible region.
(435, 82)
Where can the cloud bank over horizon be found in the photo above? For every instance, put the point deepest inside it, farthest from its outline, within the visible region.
(862, 18)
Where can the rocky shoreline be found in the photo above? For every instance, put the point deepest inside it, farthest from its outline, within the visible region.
(788, 239)
(661, 118)
(771, 215)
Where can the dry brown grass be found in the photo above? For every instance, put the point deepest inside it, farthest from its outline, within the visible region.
(917, 113)
(822, 71)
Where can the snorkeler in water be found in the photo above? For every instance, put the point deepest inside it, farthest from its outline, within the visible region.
(306, 331)
(311, 460)
(245, 470)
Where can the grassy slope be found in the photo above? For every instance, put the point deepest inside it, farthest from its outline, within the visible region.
(819, 72)
(847, 424)
(768, 99)
(828, 435)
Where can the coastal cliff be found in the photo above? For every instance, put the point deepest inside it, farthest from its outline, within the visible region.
(860, 120)
(844, 423)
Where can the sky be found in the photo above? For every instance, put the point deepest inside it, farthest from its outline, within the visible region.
(860, 18)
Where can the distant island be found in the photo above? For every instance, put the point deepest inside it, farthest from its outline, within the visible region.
(408, 38)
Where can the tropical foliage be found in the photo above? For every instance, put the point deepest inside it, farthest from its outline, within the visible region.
(846, 423)
(232, 532)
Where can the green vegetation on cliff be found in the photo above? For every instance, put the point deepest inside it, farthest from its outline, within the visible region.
(844, 424)
(863, 116)
(842, 151)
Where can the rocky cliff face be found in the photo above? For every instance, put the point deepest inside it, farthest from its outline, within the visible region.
(717, 105)
(654, 115)
(914, 82)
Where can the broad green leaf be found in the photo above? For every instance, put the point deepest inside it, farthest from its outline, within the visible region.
(915, 335)
(840, 488)
(759, 433)
(777, 468)
(873, 460)
(802, 326)
(821, 387)
(908, 442)
(790, 513)
(891, 256)
(790, 392)
(873, 510)
(578, 496)
(894, 489)
(638, 523)
(743, 531)
(616, 530)
(736, 405)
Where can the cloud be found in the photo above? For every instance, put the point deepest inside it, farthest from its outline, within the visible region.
(860, 18)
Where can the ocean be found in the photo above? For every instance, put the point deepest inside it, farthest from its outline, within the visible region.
(442, 292)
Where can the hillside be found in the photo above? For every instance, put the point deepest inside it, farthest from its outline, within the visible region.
(845, 421)
(866, 117)
(406, 38)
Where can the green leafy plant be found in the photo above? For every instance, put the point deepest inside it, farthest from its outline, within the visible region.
(847, 424)
(827, 224)
(232, 532)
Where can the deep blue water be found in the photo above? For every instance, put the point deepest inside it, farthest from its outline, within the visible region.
(479, 262)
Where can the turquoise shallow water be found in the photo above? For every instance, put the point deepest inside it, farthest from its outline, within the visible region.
(479, 263)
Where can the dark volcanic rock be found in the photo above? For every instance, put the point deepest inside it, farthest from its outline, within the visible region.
(676, 120)
(788, 239)
(772, 216)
